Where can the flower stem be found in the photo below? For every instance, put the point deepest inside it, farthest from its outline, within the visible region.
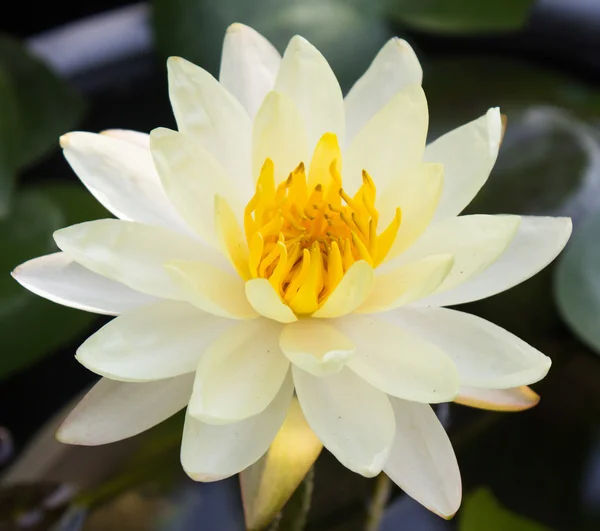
(381, 495)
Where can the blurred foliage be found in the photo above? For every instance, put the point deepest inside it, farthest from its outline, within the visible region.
(461, 16)
(42, 106)
(488, 81)
(481, 511)
(577, 283)
(31, 326)
(8, 125)
(348, 32)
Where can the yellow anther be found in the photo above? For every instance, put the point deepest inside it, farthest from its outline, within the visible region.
(306, 232)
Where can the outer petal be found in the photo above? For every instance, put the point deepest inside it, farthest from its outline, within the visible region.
(249, 65)
(240, 373)
(350, 293)
(407, 283)
(316, 346)
(395, 67)
(213, 117)
(141, 140)
(393, 140)
(59, 279)
(122, 177)
(537, 242)
(192, 178)
(468, 155)
(422, 462)
(132, 253)
(211, 289)
(211, 453)
(158, 341)
(474, 241)
(113, 410)
(352, 419)
(485, 355)
(306, 77)
(516, 399)
(398, 362)
(278, 133)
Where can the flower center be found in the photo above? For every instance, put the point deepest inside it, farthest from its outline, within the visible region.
(305, 233)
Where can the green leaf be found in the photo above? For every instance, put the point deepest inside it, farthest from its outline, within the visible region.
(46, 105)
(8, 137)
(481, 511)
(577, 283)
(348, 32)
(30, 326)
(461, 16)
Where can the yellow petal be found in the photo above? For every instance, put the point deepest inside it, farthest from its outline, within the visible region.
(350, 293)
(264, 299)
(230, 236)
(515, 399)
(279, 134)
(315, 346)
(417, 192)
(407, 283)
(269, 483)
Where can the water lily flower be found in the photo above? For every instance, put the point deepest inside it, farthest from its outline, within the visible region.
(289, 241)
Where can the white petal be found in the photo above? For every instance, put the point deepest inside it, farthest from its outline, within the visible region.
(192, 178)
(306, 77)
(134, 137)
(485, 354)
(407, 283)
(393, 141)
(316, 346)
(474, 241)
(211, 289)
(537, 242)
(515, 399)
(132, 253)
(212, 452)
(279, 134)
(468, 154)
(158, 341)
(213, 117)
(249, 65)
(353, 420)
(395, 66)
(112, 411)
(58, 278)
(265, 300)
(422, 462)
(399, 362)
(122, 177)
(240, 373)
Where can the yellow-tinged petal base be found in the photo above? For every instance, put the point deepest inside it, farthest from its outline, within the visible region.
(268, 484)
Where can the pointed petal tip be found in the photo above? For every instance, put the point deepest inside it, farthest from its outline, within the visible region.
(495, 129)
(65, 140)
(238, 27)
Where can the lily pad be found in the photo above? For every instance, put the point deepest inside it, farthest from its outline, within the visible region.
(577, 283)
(461, 16)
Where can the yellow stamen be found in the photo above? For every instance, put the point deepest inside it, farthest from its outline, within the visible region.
(305, 232)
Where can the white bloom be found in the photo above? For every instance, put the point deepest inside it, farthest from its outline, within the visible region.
(287, 238)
